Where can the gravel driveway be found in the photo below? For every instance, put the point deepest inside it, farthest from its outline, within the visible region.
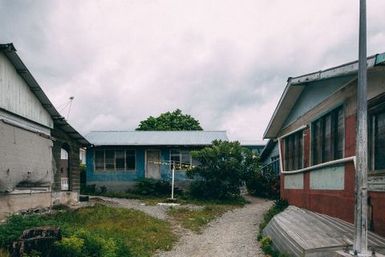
(232, 235)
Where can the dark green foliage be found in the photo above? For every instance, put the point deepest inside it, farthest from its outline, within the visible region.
(152, 187)
(15, 226)
(224, 166)
(263, 184)
(175, 120)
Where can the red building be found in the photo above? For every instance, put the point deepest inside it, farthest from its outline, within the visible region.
(315, 127)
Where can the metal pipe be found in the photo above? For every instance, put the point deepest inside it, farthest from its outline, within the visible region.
(361, 189)
(322, 165)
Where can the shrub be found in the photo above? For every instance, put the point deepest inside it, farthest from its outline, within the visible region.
(224, 166)
(69, 247)
(152, 187)
(84, 244)
(263, 184)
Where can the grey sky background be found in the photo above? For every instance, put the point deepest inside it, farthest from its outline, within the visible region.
(224, 62)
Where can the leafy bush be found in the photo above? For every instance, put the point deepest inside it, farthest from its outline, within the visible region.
(263, 184)
(69, 247)
(152, 187)
(84, 244)
(224, 166)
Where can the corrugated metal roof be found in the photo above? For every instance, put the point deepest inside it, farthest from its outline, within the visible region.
(10, 52)
(155, 137)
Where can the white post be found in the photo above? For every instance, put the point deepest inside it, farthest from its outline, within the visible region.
(172, 180)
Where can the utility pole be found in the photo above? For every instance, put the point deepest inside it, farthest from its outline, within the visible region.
(360, 246)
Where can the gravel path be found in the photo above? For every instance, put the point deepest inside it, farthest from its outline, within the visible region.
(155, 211)
(232, 235)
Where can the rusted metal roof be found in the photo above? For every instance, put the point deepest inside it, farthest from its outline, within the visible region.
(167, 138)
(10, 52)
(301, 232)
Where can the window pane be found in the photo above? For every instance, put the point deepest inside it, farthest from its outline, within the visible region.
(340, 135)
(300, 151)
(327, 151)
(130, 159)
(186, 159)
(294, 151)
(380, 142)
(317, 142)
(120, 160)
(99, 160)
(110, 159)
(175, 159)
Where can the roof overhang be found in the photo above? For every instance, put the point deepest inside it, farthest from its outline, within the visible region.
(10, 52)
(296, 85)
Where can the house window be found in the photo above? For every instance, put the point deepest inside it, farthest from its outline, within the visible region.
(294, 151)
(181, 159)
(130, 160)
(114, 160)
(99, 160)
(377, 137)
(328, 137)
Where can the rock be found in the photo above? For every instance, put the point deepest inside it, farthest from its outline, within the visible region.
(39, 239)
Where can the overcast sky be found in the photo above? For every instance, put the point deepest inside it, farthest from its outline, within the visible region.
(224, 62)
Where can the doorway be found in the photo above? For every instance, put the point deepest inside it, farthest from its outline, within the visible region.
(153, 164)
(64, 169)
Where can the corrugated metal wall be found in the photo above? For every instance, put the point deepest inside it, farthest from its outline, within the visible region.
(17, 97)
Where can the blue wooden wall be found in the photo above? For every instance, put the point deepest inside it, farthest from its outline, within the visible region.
(132, 175)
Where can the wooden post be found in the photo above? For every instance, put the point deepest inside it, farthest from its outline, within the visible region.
(361, 188)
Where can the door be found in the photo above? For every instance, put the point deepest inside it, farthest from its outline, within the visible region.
(153, 164)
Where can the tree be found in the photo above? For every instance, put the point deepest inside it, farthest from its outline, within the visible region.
(175, 120)
(223, 169)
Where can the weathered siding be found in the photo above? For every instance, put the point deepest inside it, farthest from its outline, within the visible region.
(24, 157)
(331, 190)
(17, 97)
(121, 180)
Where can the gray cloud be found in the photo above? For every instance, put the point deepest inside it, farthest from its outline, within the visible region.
(225, 62)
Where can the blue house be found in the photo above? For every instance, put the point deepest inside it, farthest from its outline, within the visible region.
(116, 159)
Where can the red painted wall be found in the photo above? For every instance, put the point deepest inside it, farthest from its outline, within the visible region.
(336, 203)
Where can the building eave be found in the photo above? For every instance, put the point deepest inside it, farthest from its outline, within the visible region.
(295, 86)
(9, 51)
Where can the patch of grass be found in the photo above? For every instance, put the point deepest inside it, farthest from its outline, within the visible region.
(195, 220)
(137, 233)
